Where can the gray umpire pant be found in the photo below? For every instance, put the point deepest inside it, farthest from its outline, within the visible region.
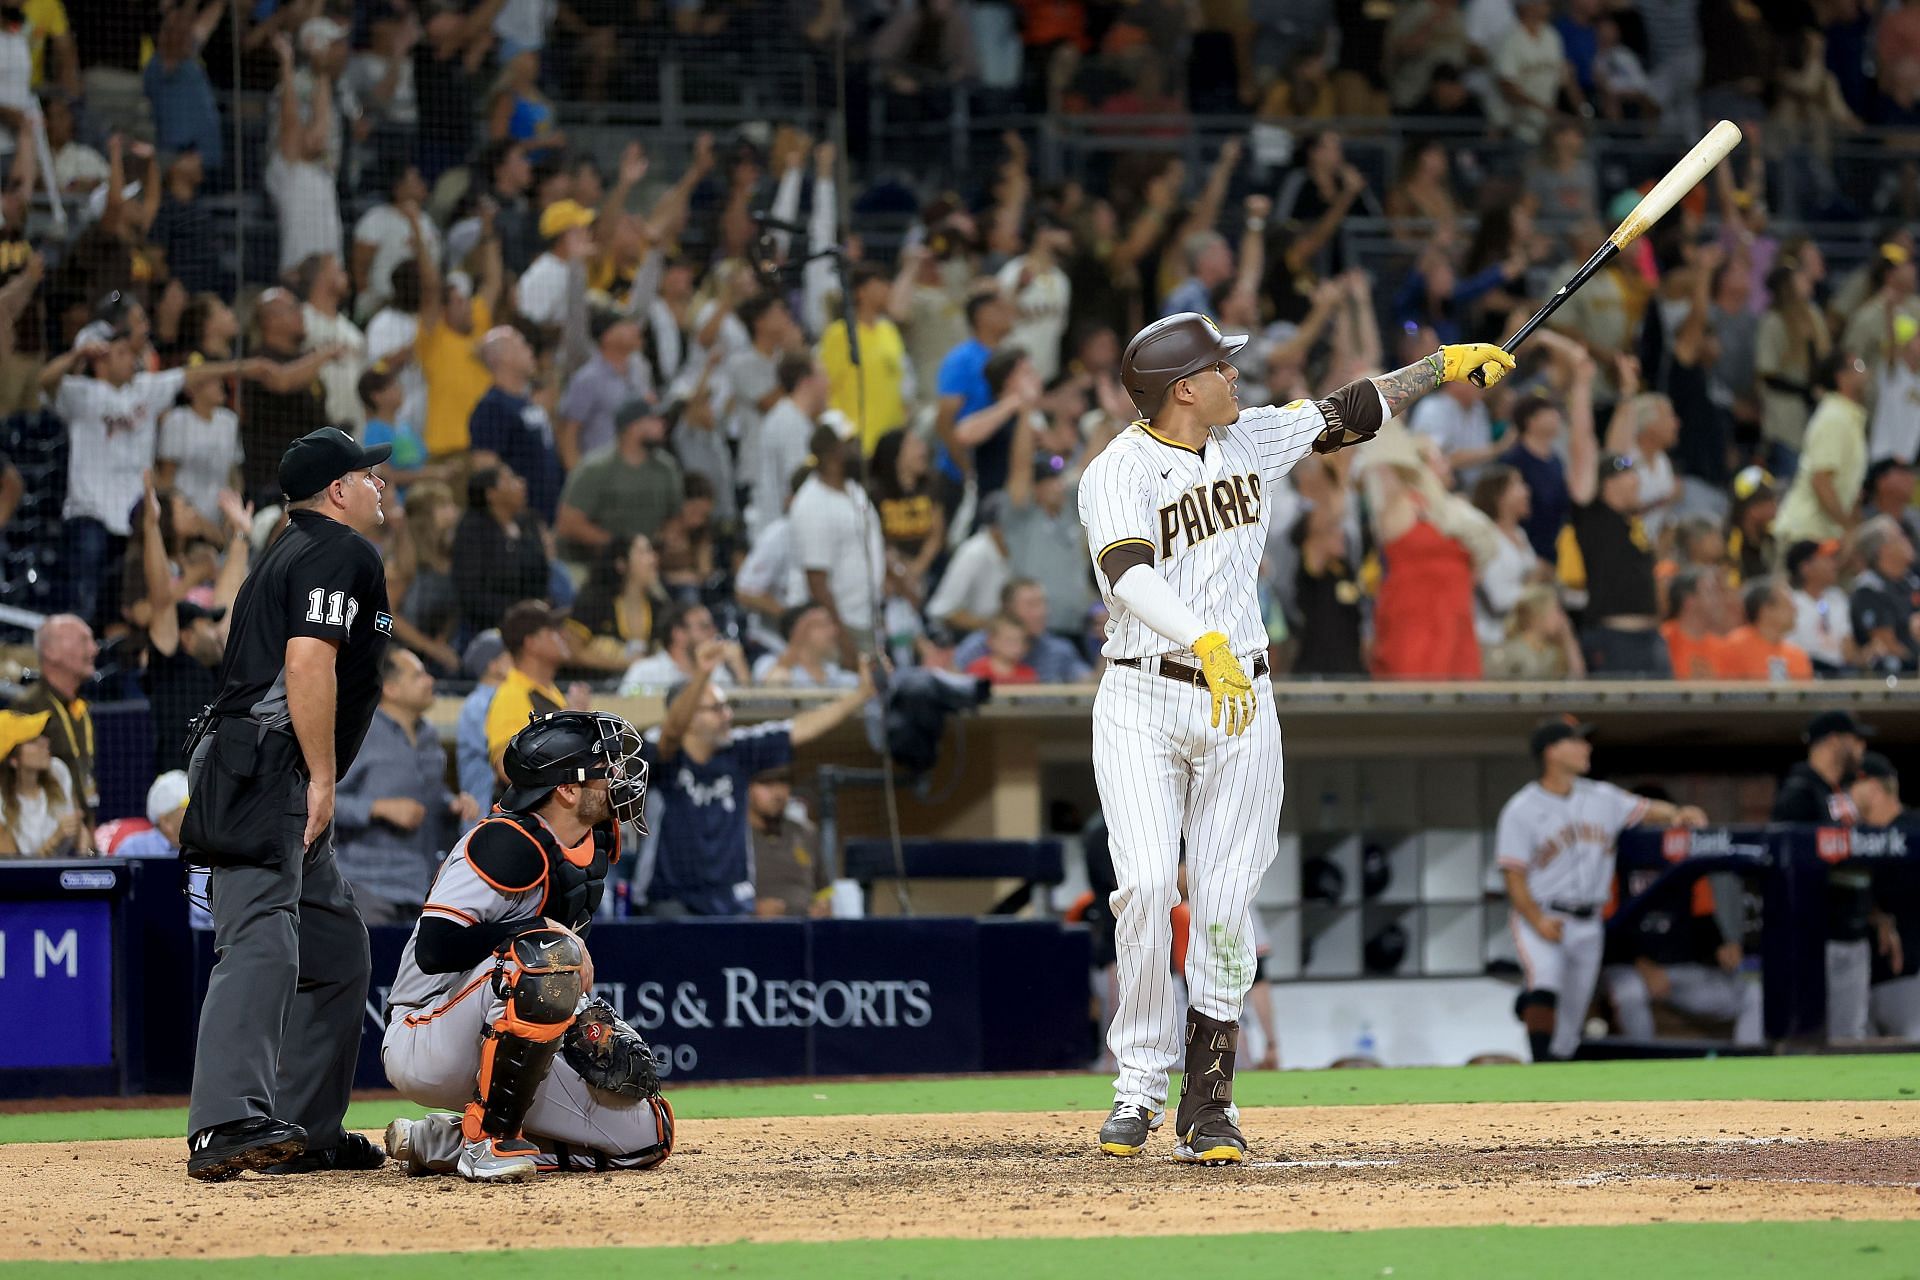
(280, 1026)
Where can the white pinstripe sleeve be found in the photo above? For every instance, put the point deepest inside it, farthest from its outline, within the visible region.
(1116, 504)
(1282, 435)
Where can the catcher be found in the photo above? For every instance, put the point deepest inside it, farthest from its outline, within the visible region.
(491, 1014)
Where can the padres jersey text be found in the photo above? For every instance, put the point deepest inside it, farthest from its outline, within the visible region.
(1203, 514)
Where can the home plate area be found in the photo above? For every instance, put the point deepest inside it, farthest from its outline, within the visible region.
(994, 1175)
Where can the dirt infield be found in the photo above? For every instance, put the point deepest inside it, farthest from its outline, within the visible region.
(1331, 1168)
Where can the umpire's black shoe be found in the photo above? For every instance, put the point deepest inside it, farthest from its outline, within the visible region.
(229, 1150)
(352, 1152)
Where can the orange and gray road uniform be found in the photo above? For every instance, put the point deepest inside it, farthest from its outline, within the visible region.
(1563, 844)
(487, 991)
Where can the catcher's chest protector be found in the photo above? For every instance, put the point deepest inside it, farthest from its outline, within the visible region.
(575, 878)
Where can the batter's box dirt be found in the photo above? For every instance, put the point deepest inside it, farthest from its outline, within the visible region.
(993, 1175)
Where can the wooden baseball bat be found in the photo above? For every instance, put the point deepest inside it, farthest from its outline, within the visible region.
(1653, 206)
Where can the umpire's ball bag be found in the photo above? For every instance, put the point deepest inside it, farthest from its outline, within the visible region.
(247, 802)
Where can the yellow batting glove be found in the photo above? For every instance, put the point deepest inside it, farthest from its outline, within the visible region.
(1226, 681)
(1456, 362)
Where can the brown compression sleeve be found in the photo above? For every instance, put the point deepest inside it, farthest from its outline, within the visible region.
(1118, 557)
(1352, 414)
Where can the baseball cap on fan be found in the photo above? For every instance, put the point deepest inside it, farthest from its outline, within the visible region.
(1549, 732)
(318, 458)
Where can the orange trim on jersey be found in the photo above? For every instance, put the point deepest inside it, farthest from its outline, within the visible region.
(1121, 542)
(455, 912)
(1171, 444)
(421, 1019)
(581, 855)
(514, 826)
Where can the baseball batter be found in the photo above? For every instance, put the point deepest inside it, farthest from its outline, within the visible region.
(1554, 845)
(1176, 513)
(490, 1014)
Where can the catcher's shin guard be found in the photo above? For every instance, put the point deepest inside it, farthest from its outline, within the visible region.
(538, 976)
(1205, 1125)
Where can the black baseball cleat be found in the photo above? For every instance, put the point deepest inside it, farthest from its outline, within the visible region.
(1125, 1132)
(1213, 1139)
(229, 1150)
(352, 1152)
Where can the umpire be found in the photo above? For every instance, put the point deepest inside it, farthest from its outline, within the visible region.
(280, 1028)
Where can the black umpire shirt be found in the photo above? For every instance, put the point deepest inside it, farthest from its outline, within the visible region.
(321, 579)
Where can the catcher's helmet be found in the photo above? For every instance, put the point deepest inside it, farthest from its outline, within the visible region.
(1168, 350)
(576, 746)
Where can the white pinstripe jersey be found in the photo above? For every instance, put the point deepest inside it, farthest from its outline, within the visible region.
(1202, 512)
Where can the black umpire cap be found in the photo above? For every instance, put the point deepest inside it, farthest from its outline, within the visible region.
(318, 458)
(1168, 350)
(1549, 732)
(1828, 723)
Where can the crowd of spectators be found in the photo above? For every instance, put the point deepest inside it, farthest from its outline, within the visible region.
(624, 439)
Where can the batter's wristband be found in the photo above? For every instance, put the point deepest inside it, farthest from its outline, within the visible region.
(1439, 362)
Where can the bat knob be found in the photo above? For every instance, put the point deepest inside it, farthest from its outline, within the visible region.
(1479, 377)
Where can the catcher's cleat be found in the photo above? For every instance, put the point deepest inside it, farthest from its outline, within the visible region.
(353, 1152)
(1125, 1132)
(1215, 1140)
(490, 1159)
(399, 1141)
(229, 1150)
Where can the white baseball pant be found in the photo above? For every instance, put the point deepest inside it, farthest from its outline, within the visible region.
(432, 1056)
(1570, 968)
(1164, 772)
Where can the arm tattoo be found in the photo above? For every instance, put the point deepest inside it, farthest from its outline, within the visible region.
(1404, 386)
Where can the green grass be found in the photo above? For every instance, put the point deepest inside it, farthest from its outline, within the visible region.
(1749, 1250)
(1864, 1078)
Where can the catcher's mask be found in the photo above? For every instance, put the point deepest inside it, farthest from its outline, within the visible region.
(564, 747)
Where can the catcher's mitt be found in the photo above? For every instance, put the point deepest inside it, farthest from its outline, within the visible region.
(609, 1054)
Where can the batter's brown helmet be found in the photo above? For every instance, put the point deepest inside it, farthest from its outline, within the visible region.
(1168, 350)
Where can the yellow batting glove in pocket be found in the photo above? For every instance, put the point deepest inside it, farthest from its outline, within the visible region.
(1226, 681)
(1458, 361)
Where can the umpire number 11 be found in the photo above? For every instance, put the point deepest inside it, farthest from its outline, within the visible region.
(332, 608)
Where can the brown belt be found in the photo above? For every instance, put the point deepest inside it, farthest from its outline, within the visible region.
(1185, 674)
